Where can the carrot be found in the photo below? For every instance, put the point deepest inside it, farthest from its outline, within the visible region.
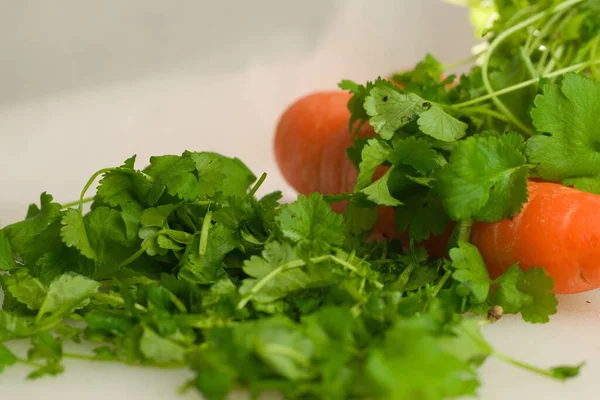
(558, 229)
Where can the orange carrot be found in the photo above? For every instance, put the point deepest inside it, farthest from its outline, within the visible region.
(558, 229)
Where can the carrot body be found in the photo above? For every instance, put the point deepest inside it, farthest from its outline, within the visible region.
(558, 229)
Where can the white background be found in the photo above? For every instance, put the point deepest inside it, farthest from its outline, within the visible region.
(85, 85)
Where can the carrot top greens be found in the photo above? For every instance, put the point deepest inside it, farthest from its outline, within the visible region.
(180, 263)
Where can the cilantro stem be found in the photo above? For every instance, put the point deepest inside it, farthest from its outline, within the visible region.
(204, 233)
(464, 61)
(76, 202)
(257, 185)
(441, 283)
(496, 42)
(528, 367)
(527, 61)
(352, 268)
(29, 363)
(88, 184)
(136, 255)
(525, 84)
(464, 230)
(109, 298)
(86, 357)
(484, 111)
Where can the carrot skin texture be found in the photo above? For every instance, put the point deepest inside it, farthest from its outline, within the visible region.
(557, 229)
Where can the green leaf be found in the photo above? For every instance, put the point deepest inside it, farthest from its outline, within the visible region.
(25, 288)
(417, 153)
(174, 175)
(160, 350)
(470, 270)
(14, 326)
(390, 110)
(427, 370)
(311, 218)
(571, 149)
(379, 191)
(374, 154)
(529, 292)
(277, 284)
(157, 216)
(7, 261)
(66, 293)
(123, 187)
(422, 215)
(218, 173)
(35, 235)
(73, 233)
(440, 125)
(486, 178)
(356, 102)
(207, 268)
(7, 358)
(45, 346)
(111, 323)
(110, 235)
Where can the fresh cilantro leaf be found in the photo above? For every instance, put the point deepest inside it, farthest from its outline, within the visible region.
(125, 188)
(311, 218)
(528, 292)
(74, 234)
(35, 236)
(379, 192)
(207, 268)
(7, 358)
(111, 323)
(277, 274)
(568, 146)
(230, 176)
(160, 350)
(360, 219)
(428, 371)
(375, 153)
(44, 345)
(566, 372)
(172, 174)
(470, 270)
(486, 178)
(417, 153)
(157, 216)
(390, 109)
(440, 125)
(356, 102)
(14, 326)
(7, 261)
(113, 237)
(25, 288)
(67, 293)
(422, 215)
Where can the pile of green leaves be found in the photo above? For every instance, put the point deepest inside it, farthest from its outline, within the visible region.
(181, 264)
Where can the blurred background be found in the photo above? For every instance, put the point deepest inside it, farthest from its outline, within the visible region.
(86, 84)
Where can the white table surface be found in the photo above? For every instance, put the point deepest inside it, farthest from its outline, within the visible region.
(79, 94)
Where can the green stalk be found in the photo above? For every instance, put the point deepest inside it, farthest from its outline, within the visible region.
(464, 230)
(524, 84)
(258, 184)
(136, 255)
(528, 367)
(76, 202)
(204, 233)
(87, 186)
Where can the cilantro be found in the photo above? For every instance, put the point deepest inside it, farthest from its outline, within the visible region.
(390, 109)
(159, 349)
(470, 270)
(7, 358)
(74, 234)
(25, 288)
(485, 178)
(373, 155)
(438, 124)
(311, 218)
(528, 292)
(7, 261)
(379, 193)
(567, 147)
